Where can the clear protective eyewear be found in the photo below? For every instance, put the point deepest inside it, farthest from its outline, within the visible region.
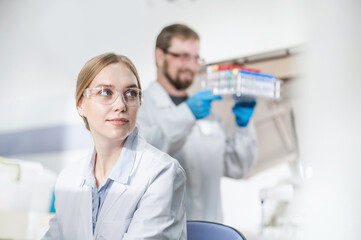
(185, 57)
(108, 95)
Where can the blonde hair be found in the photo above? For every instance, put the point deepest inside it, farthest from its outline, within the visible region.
(92, 68)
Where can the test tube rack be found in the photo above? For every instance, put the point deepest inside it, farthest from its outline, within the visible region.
(229, 79)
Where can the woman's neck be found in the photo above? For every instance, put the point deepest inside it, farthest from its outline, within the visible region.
(106, 158)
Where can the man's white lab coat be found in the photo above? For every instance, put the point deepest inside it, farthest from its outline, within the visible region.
(201, 146)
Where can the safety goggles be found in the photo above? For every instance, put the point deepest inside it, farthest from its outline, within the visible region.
(108, 95)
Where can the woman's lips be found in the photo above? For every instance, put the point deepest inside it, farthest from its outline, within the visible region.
(118, 121)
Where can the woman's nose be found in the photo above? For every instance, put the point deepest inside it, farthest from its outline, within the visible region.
(119, 104)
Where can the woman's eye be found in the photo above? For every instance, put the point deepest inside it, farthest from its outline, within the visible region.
(106, 92)
(131, 93)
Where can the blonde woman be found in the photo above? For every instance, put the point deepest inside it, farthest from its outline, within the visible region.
(125, 189)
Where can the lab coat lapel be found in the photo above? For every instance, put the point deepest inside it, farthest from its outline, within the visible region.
(115, 192)
(86, 212)
(77, 203)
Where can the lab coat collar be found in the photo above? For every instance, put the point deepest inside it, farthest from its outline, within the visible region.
(162, 99)
(88, 177)
(122, 168)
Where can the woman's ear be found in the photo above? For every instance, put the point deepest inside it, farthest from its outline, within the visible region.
(80, 108)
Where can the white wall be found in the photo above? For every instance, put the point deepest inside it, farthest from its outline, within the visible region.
(329, 120)
(234, 28)
(44, 45)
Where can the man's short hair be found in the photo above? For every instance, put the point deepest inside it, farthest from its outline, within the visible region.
(175, 30)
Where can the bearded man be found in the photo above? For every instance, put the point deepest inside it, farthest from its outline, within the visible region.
(185, 127)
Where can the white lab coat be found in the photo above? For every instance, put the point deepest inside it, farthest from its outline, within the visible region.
(201, 146)
(149, 205)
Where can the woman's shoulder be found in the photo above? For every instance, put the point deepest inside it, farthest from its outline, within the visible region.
(73, 173)
(152, 157)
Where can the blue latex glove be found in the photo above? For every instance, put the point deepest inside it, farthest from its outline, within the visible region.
(243, 111)
(200, 103)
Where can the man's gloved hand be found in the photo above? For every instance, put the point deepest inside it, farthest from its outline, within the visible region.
(200, 103)
(243, 111)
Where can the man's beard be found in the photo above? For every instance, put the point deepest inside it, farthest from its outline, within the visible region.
(176, 82)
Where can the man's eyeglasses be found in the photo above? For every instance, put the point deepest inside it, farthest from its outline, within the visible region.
(108, 95)
(185, 57)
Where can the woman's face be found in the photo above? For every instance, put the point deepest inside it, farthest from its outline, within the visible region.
(111, 121)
